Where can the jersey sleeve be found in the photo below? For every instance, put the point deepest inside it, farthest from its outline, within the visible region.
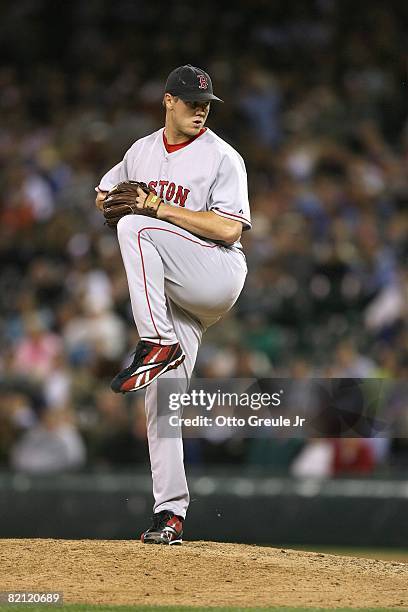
(115, 175)
(229, 193)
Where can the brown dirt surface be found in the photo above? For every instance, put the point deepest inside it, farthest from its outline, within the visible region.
(199, 573)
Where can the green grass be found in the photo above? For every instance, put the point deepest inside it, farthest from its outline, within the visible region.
(88, 608)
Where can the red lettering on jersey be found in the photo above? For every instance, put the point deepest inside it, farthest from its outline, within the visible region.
(203, 81)
(181, 195)
(162, 184)
(152, 185)
(170, 191)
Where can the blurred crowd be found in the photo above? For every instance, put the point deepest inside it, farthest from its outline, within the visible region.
(315, 96)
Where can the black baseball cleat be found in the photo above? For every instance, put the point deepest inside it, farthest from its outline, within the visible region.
(149, 362)
(167, 528)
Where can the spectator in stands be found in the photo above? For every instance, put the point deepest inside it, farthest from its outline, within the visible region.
(53, 445)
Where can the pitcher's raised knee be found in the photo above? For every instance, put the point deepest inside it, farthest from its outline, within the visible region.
(129, 225)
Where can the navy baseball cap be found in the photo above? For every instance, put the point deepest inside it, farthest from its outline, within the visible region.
(191, 84)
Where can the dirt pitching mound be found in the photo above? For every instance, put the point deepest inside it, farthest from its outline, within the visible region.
(199, 573)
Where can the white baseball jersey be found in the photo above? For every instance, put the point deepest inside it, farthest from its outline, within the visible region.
(207, 174)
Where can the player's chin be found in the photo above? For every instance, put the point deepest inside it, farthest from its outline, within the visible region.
(193, 130)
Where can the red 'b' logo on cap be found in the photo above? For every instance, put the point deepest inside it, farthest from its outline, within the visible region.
(203, 81)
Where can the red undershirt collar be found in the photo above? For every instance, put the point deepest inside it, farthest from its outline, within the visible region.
(170, 148)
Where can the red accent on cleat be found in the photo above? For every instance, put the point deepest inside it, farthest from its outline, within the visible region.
(150, 361)
(167, 528)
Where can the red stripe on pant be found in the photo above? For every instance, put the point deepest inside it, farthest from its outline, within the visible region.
(162, 229)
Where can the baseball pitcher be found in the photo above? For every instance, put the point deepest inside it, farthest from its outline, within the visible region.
(179, 201)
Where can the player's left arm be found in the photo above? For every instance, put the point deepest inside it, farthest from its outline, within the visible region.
(114, 176)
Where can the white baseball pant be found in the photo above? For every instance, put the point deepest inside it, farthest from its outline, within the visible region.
(179, 285)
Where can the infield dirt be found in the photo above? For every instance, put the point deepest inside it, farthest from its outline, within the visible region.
(199, 573)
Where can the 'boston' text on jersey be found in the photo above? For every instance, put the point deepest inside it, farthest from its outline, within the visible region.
(168, 191)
